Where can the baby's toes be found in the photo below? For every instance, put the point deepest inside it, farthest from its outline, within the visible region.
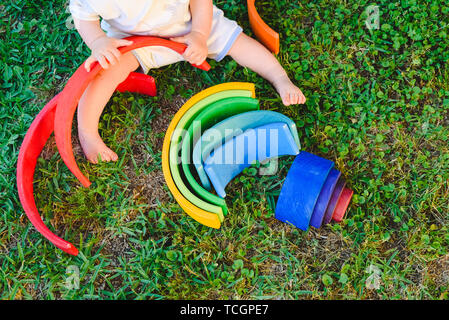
(296, 98)
(101, 157)
(93, 160)
(286, 100)
(105, 156)
(300, 99)
(113, 156)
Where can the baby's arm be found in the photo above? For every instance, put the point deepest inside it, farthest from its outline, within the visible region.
(196, 40)
(104, 48)
(201, 11)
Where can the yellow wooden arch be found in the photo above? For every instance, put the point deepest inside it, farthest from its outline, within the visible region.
(209, 219)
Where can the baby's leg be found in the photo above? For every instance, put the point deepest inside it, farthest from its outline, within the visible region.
(250, 53)
(92, 103)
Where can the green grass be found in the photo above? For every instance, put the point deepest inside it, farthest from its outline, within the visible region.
(378, 105)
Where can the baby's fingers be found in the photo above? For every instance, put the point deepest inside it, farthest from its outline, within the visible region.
(188, 54)
(116, 53)
(198, 59)
(194, 57)
(123, 43)
(179, 39)
(103, 62)
(112, 59)
(89, 62)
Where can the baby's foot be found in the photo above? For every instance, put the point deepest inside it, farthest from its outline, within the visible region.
(290, 94)
(94, 148)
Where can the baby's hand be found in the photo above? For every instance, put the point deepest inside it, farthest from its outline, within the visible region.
(196, 51)
(104, 50)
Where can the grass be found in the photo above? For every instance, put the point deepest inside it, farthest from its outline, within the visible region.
(378, 105)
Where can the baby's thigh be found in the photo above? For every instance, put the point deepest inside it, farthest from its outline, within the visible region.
(156, 57)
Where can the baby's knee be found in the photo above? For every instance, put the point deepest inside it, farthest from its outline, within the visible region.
(121, 69)
(129, 62)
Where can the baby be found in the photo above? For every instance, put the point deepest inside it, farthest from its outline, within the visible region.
(197, 23)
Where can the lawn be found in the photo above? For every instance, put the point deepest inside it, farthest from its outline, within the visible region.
(378, 106)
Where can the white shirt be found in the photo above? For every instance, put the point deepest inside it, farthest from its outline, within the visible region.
(138, 17)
